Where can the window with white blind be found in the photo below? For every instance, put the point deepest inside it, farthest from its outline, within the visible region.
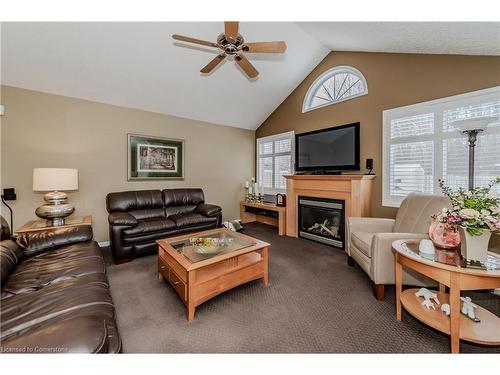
(274, 159)
(421, 145)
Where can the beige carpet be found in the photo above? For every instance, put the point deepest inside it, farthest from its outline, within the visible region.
(314, 303)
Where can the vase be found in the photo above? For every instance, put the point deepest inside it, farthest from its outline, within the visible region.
(444, 235)
(474, 248)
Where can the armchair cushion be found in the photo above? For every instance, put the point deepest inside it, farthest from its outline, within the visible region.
(208, 209)
(35, 243)
(122, 218)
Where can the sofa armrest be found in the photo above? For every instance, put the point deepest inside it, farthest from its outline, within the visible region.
(382, 265)
(208, 209)
(35, 243)
(122, 219)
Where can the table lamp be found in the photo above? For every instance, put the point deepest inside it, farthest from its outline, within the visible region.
(55, 181)
(472, 127)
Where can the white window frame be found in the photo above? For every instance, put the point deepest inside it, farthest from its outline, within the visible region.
(438, 107)
(273, 138)
(306, 107)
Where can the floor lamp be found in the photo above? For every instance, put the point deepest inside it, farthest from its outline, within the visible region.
(472, 127)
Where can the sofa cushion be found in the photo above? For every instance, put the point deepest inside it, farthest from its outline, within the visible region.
(54, 266)
(179, 210)
(149, 226)
(11, 255)
(192, 219)
(363, 241)
(127, 201)
(183, 197)
(84, 300)
(81, 334)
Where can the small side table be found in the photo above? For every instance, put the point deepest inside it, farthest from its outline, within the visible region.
(40, 224)
(448, 269)
(248, 217)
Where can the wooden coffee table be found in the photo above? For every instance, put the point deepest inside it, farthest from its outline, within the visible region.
(202, 265)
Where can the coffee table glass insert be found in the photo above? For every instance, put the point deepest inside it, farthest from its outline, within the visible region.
(199, 248)
(453, 258)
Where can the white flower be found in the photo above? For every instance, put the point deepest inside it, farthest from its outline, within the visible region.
(485, 212)
(495, 210)
(468, 213)
(493, 195)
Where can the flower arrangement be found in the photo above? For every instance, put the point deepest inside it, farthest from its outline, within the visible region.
(475, 210)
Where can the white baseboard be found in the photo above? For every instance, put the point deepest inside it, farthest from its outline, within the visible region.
(103, 243)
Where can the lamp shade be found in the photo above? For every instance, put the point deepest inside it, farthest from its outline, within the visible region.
(474, 123)
(50, 179)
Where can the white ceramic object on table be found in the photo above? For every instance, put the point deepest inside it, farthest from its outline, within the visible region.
(426, 247)
(446, 309)
(474, 248)
(468, 308)
(428, 296)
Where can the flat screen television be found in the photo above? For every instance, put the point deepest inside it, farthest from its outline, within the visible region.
(328, 150)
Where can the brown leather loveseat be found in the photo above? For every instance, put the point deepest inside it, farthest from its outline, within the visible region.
(138, 218)
(55, 294)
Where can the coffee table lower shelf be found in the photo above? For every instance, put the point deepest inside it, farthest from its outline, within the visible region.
(486, 332)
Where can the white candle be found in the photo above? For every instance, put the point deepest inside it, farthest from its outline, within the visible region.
(250, 190)
(256, 189)
(246, 184)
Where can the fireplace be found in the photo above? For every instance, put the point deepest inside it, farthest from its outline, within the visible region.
(322, 220)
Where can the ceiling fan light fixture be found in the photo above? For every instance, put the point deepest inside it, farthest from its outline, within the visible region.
(232, 44)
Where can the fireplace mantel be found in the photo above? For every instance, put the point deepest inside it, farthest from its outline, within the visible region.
(354, 189)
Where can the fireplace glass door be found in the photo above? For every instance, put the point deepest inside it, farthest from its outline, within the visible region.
(322, 220)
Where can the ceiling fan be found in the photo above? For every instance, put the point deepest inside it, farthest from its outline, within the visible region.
(230, 43)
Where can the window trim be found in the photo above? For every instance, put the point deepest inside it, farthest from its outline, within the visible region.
(464, 99)
(273, 138)
(325, 76)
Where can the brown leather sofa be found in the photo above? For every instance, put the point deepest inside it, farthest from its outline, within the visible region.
(55, 294)
(138, 218)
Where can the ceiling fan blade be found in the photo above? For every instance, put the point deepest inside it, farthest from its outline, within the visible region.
(246, 65)
(265, 47)
(193, 40)
(212, 64)
(231, 29)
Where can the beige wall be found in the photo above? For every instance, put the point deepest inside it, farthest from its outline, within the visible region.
(43, 130)
(394, 80)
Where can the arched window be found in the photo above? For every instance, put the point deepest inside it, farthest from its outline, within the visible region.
(333, 86)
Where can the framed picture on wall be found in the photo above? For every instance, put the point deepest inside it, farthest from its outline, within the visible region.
(155, 158)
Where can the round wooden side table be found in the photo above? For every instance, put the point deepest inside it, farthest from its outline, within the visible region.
(449, 270)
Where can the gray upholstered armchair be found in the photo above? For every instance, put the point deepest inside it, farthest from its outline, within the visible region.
(369, 240)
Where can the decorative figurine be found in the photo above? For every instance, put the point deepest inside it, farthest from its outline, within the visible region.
(446, 309)
(468, 309)
(428, 295)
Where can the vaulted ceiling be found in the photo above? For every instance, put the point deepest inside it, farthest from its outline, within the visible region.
(138, 65)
